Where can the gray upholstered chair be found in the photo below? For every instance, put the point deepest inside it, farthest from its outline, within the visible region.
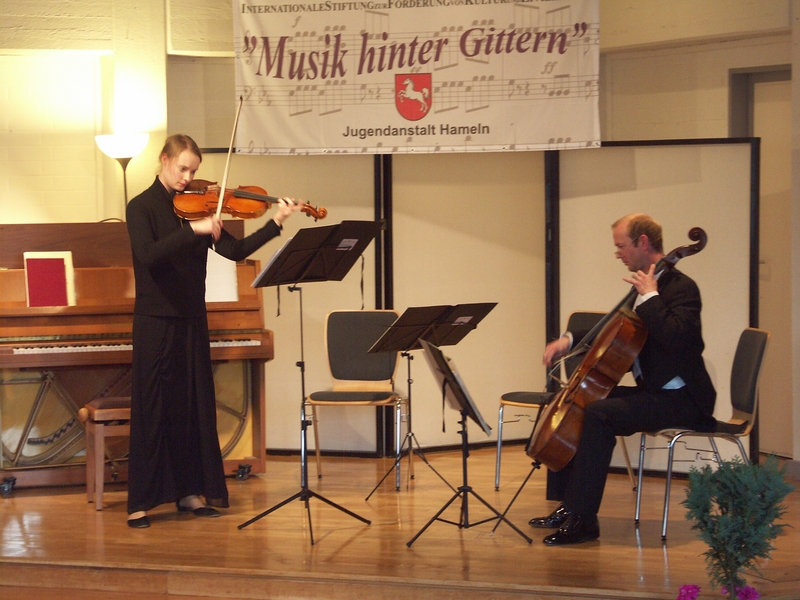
(745, 373)
(534, 401)
(360, 378)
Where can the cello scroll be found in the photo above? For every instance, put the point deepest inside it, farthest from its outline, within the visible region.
(700, 238)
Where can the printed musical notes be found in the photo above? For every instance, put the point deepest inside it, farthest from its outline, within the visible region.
(558, 18)
(374, 94)
(302, 99)
(257, 95)
(448, 95)
(479, 93)
(331, 97)
(450, 57)
(559, 143)
(559, 86)
(376, 21)
(375, 78)
(523, 88)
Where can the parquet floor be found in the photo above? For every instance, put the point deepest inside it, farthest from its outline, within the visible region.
(55, 545)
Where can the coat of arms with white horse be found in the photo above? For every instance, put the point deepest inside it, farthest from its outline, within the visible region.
(413, 95)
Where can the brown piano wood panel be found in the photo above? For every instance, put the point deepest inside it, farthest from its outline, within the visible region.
(92, 244)
(93, 286)
(103, 316)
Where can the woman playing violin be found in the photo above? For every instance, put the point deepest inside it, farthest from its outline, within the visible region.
(673, 387)
(174, 448)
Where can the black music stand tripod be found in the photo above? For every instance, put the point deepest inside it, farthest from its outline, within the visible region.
(536, 464)
(457, 396)
(440, 326)
(314, 254)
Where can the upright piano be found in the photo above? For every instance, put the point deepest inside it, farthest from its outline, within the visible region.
(53, 360)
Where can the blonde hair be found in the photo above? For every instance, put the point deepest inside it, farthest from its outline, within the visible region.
(177, 143)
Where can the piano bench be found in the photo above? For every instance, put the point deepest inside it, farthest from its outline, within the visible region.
(103, 418)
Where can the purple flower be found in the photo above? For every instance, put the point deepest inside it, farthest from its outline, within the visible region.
(745, 593)
(688, 592)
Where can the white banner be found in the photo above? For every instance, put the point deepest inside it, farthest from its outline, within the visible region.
(402, 76)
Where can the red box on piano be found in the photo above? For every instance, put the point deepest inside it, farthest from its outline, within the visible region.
(49, 278)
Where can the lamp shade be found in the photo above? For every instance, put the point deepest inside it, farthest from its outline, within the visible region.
(122, 145)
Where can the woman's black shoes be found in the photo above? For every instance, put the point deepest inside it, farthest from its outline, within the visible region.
(140, 523)
(202, 511)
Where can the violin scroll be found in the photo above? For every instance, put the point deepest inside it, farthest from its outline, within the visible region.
(319, 212)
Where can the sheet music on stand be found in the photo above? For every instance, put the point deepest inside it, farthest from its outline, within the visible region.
(318, 254)
(272, 260)
(314, 254)
(438, 325)
(458, 397)
(452, 385)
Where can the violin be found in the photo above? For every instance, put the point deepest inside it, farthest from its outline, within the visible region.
(201, 199)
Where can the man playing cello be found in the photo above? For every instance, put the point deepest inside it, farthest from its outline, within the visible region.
(673, 387)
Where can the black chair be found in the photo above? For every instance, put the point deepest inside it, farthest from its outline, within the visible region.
(360, 378)
(578, 321)
(745, 373)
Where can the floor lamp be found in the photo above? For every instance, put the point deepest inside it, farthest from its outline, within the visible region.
(123, 147)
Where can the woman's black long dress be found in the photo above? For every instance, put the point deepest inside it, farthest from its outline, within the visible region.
(174, 447)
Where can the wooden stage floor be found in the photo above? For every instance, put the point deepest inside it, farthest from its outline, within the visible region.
(56, 546)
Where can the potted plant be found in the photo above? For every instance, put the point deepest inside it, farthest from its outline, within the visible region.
(734, 508)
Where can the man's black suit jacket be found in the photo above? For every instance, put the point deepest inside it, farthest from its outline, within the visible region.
(674, 344)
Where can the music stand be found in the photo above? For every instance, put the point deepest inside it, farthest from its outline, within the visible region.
(314, 254)
(440, 326)
(457, 396)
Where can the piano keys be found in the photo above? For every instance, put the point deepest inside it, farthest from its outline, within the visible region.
(55, 359)
(59, 353)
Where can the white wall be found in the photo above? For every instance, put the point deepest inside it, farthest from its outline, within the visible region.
(469, 228)
(115, 51)
(627, 25)
(678, 93)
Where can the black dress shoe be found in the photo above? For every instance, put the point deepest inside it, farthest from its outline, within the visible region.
(202, 511)
(552, 521)
(576, 530)
(140, 523)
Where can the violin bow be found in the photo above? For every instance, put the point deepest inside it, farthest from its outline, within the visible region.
(228, 161)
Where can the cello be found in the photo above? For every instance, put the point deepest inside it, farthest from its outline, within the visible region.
(610, 349)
